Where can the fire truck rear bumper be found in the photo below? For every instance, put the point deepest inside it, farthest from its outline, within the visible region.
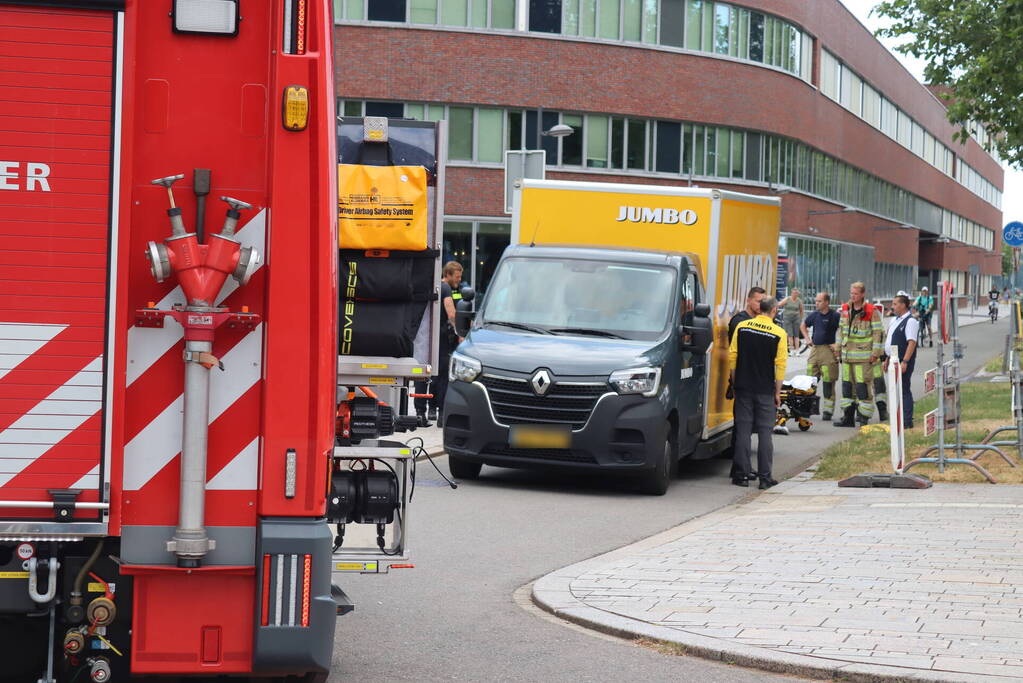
(295, 610)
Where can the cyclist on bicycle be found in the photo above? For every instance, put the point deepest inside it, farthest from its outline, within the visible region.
(992, 304)
(923, 306)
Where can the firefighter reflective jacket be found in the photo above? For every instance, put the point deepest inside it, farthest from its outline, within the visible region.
(860, 333)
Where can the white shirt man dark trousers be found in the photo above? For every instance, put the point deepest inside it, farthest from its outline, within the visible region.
(757, 357)
(904, 334)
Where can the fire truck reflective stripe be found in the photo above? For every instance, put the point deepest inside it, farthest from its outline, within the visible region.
(292, 590)
(240, 473)
(37, 432)
(147, 345)
(160, 440)
(18, 341)
(278, 598)
(90, 480)
(264, 610)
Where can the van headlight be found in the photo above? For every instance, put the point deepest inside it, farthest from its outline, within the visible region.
(643, 381)
(463, 368)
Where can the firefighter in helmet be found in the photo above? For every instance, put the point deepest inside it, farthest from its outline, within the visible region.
(860, 340)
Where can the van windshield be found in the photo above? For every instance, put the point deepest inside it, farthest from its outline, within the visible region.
(575, 296)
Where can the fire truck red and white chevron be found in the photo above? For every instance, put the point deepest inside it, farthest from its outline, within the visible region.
(49, 439)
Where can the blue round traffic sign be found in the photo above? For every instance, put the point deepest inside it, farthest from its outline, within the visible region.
(1012, 234)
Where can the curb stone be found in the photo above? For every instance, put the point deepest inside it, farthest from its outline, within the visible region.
(553, 594)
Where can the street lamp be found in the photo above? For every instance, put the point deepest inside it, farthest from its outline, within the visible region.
(558, 130)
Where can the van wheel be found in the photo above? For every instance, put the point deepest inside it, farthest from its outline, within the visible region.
(463, 469)
(656, 482)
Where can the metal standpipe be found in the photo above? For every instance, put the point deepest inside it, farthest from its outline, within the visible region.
(201, 270)
(190, 542)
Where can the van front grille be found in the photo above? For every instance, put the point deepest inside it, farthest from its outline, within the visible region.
(514, 402)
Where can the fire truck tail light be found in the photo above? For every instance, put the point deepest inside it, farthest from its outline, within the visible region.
(296, 22)
(264, 611)
(216, 17)
(296, 107)
(307, 563)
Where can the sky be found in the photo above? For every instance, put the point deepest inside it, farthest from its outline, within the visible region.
(1012, 194)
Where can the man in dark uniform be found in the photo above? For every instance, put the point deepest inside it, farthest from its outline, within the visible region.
(449, 339)
(823, 363)
(901, 347)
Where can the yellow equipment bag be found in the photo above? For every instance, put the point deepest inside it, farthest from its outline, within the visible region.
(381, 207)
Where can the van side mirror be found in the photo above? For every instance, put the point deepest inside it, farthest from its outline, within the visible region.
(464, 311)
(697, 331)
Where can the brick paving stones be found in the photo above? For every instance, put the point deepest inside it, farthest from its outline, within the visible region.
(926, 580)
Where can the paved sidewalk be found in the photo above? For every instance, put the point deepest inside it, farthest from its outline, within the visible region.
(811, 579)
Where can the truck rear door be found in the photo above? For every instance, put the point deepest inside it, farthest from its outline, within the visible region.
(57, 185)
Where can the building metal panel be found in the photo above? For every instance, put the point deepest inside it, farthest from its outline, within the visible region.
(855, 264)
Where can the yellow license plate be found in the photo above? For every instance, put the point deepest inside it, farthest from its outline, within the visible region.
(539, 436)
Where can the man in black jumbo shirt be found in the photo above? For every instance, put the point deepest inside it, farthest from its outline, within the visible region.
(449, 339)
(752, 310)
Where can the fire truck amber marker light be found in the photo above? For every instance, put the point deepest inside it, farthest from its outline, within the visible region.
(213, 17)
(296, 107)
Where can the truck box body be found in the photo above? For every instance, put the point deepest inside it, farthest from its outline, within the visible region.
(603, 335)
(734, 237)
(56, 165)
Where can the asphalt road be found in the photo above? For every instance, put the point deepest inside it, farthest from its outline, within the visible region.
(457, 616)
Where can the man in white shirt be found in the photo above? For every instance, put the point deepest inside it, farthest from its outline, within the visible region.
(900, 344)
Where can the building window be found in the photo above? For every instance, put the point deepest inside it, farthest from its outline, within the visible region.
(490, 123)
(572, 145)
(457, 245)
(491, 241)
(391, 110)
(635, 144)
(672, 22)
(669, 141)
(386, 10)
(545, 16)
(460, 131)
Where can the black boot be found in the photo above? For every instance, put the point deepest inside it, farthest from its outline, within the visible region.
(882, 411)
(862, 419)
(848, 418)
(826, 416)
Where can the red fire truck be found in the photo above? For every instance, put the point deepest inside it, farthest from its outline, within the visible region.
(168, 338)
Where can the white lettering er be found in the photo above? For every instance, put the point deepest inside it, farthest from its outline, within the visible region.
(8, 172)
(36, 175)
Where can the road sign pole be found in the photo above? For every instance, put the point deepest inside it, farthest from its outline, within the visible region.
(949, 386)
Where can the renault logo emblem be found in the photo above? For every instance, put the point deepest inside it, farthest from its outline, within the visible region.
(541, 382)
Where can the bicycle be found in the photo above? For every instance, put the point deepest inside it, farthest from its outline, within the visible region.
(925, 328)
(992, 311)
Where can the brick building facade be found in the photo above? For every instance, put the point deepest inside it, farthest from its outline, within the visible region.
(767, 96)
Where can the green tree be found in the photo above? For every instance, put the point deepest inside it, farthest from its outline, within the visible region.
(975, 47)
(1007, 260)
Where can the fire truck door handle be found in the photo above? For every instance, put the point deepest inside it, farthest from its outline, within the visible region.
(33, 580)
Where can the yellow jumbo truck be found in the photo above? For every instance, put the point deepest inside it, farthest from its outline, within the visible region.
(602, 340)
